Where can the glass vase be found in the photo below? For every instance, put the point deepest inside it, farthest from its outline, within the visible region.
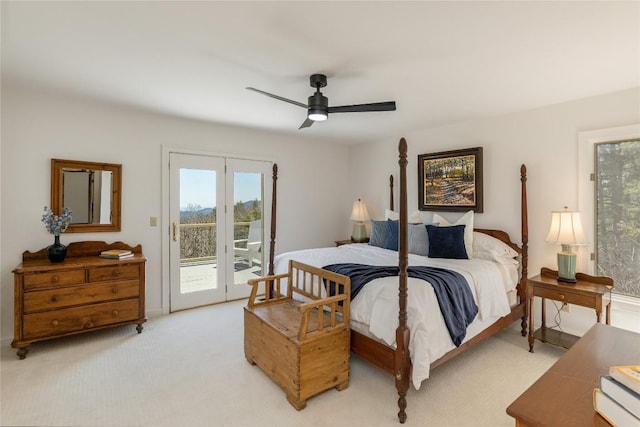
(57, 252)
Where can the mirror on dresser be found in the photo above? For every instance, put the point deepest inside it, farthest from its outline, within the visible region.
(92, 191)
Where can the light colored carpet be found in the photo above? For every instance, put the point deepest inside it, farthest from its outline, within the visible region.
(188, 369)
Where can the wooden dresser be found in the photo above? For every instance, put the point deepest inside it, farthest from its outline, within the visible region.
(563, 396)
(81, 294)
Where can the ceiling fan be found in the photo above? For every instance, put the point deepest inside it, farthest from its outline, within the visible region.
(318, 105)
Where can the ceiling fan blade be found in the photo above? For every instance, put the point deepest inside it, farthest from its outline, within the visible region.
(361, 108)
(279, 98)
(308, 122)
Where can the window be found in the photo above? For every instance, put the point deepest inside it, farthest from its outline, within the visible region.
(617, 214)
(603, 216)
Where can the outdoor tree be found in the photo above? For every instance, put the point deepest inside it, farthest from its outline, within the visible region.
(618, 214)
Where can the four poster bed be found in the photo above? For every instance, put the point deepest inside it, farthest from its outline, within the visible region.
(401, 332)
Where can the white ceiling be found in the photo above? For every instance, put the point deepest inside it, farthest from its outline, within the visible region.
(441, 62)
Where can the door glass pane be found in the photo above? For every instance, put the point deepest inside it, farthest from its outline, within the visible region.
(198, 252)
(618, 214)
(247, 226)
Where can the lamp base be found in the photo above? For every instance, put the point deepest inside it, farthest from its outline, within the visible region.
(566, 265)
(359, 234)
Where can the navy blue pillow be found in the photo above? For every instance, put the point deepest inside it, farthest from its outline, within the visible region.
(378, 234)
(392, 235)
(447, 242)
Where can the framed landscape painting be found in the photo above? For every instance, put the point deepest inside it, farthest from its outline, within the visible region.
(450, 180)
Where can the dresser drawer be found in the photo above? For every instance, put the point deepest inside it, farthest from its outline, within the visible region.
(51, 279)
(569, 298)
(117, 272)
(60, 322)
(52, 299)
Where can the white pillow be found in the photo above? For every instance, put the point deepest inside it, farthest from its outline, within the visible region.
(492, 249)
(414, 218)
(494, 256)
(485, 243)
(467, 221)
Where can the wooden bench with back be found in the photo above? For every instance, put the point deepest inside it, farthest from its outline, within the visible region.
(302, 346)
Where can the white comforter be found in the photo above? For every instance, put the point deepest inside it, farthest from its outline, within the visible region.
(377, 303)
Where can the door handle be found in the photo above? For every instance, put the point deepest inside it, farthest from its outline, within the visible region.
(175, 229)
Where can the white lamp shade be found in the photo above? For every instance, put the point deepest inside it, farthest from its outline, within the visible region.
(359, 211)
(566, 229)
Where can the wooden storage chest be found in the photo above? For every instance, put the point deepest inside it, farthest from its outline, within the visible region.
(83, 293)
(303, 347)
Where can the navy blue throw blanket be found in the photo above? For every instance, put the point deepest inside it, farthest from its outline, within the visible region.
(452, 291)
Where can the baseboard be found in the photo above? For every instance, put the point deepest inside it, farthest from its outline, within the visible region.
(154, 313)
(6, 342)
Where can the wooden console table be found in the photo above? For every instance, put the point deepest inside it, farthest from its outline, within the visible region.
(588, 291)
(83, 293)
(563, 396)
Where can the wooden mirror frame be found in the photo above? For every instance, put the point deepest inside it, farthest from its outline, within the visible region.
(57, 168)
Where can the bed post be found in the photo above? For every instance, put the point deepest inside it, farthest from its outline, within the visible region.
(272, 243)
(525, 249)
(391, 192)
(402, 359)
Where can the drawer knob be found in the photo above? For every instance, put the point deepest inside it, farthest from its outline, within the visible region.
(87, 325)
(114, 290)
(561, 296)
(54, 323)
(115, 313)
(54, 298)
(54, 279)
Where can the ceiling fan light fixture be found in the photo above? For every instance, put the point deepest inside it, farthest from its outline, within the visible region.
(318, 105)
(317, 115)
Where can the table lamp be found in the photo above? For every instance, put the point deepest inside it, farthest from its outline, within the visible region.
(359, 214)
(566, 230)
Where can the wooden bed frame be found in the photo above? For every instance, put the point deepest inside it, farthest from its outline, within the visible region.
(397, 362)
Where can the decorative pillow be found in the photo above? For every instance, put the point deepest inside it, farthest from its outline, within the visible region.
(488, 244)
(378, 233)
(392, 235)
(495, 257)
(414, 218)
(467, 221)
(447, 242)
(492, 249)
(418, 239)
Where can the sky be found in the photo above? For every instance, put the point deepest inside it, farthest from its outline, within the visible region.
(197, 187)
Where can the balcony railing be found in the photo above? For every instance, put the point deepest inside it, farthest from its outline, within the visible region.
(198, 240)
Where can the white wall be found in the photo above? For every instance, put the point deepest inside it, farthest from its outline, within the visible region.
(37, 125)
(545, 139)
(313, 201)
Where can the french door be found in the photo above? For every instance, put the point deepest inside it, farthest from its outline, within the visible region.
(218, 220)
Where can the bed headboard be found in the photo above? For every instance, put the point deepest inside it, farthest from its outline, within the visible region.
(501, 235)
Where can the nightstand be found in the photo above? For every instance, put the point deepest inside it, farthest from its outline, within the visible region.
(346, 242)
(588, 291)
